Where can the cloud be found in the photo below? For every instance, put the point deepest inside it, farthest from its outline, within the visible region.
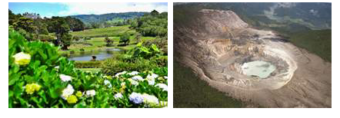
(102, 8)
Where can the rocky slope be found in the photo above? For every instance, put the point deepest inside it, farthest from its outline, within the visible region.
(217, 43)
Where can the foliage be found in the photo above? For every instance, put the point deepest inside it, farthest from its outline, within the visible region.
(152, 24)
(87, 64)
(108, 41)
(44, 37)
(49, 80)
(31, 25)
(315, 41)
(138, 58)
(144, 52)
(115, 65)
(125, 39)
(138, 37)
(192, 92)
(103, 32)
(75, 24)
(66, 41)
(110, 19)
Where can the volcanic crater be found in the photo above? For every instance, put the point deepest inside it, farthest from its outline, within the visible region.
(255, 66)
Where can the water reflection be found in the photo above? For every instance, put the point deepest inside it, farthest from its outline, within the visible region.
(103, 54)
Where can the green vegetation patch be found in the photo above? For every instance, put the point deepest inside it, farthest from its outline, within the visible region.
(101, 32)
(192, 92)
(318, 42)
(40, 78)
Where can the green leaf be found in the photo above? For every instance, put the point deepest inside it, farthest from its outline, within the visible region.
(155, 48)
(13, 78)
(43, 55)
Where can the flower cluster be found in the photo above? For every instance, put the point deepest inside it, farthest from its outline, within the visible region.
(22, 58)
(137, 98)
(31, 88)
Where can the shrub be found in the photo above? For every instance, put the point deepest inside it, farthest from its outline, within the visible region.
(112, 66)
(140, 58)
(108, 41)
(43, 37)
(88, 64)
(125, 39)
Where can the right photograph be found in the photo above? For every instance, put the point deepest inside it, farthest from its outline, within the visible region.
(252, 55)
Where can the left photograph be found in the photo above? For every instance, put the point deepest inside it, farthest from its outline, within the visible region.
(87, 55)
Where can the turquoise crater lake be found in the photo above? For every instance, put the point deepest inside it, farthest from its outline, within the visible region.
(260, 69)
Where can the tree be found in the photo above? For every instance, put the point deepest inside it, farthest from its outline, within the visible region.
(125, 38)
(95, 25)
(154, 13)
(61, 29)
(153, 24)
(138, 37)
(75, 24)
(108, 41)
(66, 41)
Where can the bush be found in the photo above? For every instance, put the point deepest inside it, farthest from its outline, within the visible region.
(112, 66)
(144, 52)
(39, 77)
(108, 41)
(125, 39)
(88, 64)
(139, 59)
(43, 37)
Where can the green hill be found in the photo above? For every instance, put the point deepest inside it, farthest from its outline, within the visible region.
(107, 17)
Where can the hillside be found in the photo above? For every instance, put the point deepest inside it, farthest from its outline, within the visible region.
(107, 17)
(311, 15)
(316, 41)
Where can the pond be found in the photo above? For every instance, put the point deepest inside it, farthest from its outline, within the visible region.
(260, 69)
(103, 54)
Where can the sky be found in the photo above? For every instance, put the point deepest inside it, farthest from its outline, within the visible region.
(47, 9)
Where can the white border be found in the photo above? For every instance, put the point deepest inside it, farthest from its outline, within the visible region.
(172, 112)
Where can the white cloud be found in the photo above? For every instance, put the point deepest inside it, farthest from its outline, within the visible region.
(102, 8)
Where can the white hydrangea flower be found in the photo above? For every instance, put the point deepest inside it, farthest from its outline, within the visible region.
(122, 84)
(150, 80)
(150, 99)
(133, 82)
(164, 87)
(118, 96)
(136, 98)
(90, 93)
(137, 78)
(107, 83)
(67, 91)
(120, 73)
(133, 73)
(153, 75)
(165, 77)
(22, 58)
(65, 78)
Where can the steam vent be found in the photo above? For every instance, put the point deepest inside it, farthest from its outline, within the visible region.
(251, 65)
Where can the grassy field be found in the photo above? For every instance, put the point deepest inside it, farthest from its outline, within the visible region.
(98, 43)
(192, 92)
(99, 32)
